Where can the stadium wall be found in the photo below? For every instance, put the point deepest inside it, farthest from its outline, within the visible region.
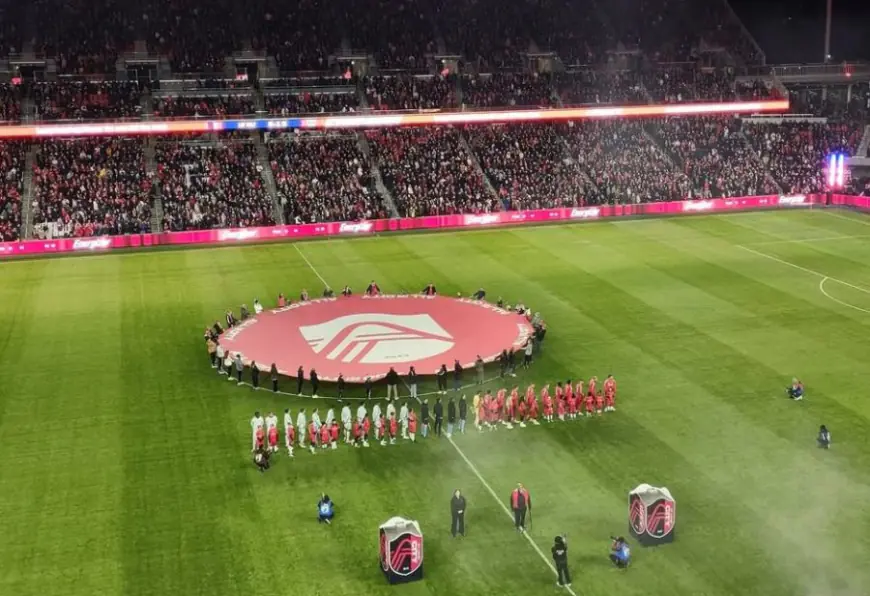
(440, 222)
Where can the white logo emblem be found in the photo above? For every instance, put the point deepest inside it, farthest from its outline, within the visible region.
(93, 244)
(236, 235)
(378, 338)
(792, 200)
(588, 213)
(697, 205)
(480, 220)
(355, 228)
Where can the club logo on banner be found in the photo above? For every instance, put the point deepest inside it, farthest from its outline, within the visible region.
(406, 554)
(651, 515)
(378, 338)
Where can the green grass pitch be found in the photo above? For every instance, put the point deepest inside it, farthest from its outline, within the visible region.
(124, 464)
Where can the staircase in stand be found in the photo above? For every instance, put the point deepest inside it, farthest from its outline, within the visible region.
(27, 192)
(865, 143)
(268, 177)
(382, 189)
(476, 162)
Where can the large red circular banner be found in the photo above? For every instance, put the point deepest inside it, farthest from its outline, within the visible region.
(363, 336)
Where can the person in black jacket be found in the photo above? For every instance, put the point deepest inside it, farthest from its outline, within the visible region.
(457, 514)
(392, 384)
(424, 418)
(340, 384)
(412, 382)
(457, 376)
(369, 386)
(315, 382)
(300, 379)
(463, 413)
(560, 558)
(273, 374)
(451, 416)
(512, 365)
(441, 379)
(439, 416)
(255, 376)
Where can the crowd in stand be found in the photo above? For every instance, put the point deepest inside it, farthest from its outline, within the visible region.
(590, 86)
(212, 106)
(795, 153)
(428, 172)
(714, 154)
(90, 188)
(10, 109)
(305, 102)
(399, 32)
(324, 179)
(529, 166)
(300, 34)
(12, 171)
(507, 90)
(405, 92)
(210, 185)
(75, 100)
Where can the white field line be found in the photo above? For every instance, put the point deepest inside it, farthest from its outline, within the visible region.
(310, 266)
(863, 222)
(807, 240)
(837, 300)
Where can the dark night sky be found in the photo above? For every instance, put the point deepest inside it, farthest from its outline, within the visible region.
(792, 31)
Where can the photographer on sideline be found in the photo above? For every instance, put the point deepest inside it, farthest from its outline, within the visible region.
(620, 554)
(560, 558)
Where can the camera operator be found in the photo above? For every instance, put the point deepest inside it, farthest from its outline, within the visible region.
(620, 554)
(261, 459)
(560, 558)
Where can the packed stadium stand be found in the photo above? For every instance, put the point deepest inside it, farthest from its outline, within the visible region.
(110, 60)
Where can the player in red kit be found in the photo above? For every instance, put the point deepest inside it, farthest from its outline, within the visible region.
(610, 394)
(499, 401)
(334, 431)
(290, 439)
(366, 427)
(590, 403)
(381, 430)
(312, 436)
(560, 393)
(324, 436)
(515, 402)
(260, 437)
(578, 394)
(412, 426)
(394, 429)
(560, 409)
(569, 397)
(599, 402)
(357, 433)
(592, 386)
(533, 409)
(547, 403)
(273, 439)
(522, 410)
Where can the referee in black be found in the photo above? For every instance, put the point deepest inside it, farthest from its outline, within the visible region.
(560, 558)
(457, 514)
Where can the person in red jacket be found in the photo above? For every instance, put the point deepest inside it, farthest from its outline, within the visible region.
(334, 431)
(412, 426)
(590, 403)
(273, 439)
(394, 429)
(366, 427)
(324, 436)
(312, 437)
(260, 437)
(521, 502)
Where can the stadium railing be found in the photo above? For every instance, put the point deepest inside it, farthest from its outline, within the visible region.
(440, 222)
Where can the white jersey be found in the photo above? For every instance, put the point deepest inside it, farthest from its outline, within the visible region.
(361, 413)
(391, 410)
(271, 421)
(288, 419)
(345, 415)
(315, 418)
(219, 351)
(376, 412)
(256, 422)
(330, 416)
(403, 414)
(301, 422)
(258, 308)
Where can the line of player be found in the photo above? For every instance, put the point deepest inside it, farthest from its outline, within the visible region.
(569, 402)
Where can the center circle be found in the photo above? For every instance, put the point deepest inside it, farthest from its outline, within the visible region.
(364, 336)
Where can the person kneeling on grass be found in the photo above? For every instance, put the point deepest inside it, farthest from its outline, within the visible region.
(796, 391)
(325, 509)
(261, 459)
(620, 554)
(824, 438)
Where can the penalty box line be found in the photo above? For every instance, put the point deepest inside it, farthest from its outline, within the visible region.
(501, 504)
(801, 268)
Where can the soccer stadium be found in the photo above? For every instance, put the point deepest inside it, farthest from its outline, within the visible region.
(601, 267)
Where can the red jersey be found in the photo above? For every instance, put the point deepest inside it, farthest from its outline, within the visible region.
(261, 436)
(333, 432)
(569, 391)
(394, 426)
(282, 302)
(545, 394)
(367, 426)
(515, 398)
(530, 393)
(382, 428)
(324, 435)
(559, 393)
(499, 398)
(312, 433)
(560, 406)
(273, 436)
(522, 409)
(412, 422)
(609, 399)
(590, 403)
(533, 408)
(609, 386)
(357, 429)
(572, 404)
(591, 386)
(291, 433)
(579, 391)
(548, 405)
(599, 401)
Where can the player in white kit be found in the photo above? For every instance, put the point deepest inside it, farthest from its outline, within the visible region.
(301, 427)
(257, 422)
(403, 418)
(272, 422)
(346, 422)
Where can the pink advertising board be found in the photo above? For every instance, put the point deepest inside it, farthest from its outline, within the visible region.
(445, 222)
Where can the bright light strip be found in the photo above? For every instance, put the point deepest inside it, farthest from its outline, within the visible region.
(385, 120)
(832, 170)
(841, 171)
